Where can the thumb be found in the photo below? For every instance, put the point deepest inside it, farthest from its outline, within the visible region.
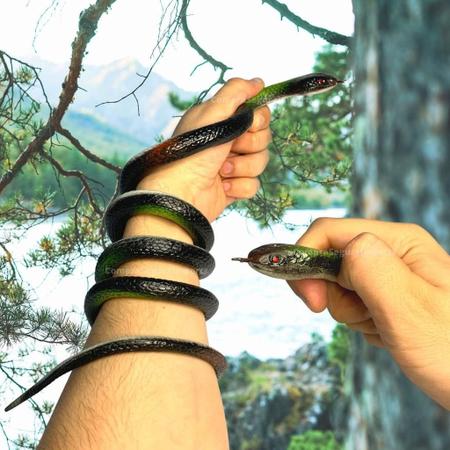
(380, 277)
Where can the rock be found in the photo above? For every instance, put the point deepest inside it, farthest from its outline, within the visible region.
(267, 402)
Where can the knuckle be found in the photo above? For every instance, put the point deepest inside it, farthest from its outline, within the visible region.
(235, 81)
(416, 230)
(359, 245)
(414, 227)
(320, 222)
(237, 84)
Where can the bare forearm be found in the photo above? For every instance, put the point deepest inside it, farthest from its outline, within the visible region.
(157, 400)
(143, 400)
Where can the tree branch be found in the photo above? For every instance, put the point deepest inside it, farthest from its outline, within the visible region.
(75, 173)
(87, 27)
(93, 157)
(327, 35)
(163, 40)
(202, 52)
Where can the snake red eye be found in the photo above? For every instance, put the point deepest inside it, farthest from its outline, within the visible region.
(275, 259)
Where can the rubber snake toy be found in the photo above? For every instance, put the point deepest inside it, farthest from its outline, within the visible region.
(277, 260)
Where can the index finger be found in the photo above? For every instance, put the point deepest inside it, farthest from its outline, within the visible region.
(335, 233)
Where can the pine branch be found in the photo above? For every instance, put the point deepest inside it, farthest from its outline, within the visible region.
(87, 27)
(327, 35)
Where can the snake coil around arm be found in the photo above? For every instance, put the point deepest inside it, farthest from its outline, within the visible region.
(131, 202)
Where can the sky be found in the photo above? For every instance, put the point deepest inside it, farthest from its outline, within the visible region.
(244, 34)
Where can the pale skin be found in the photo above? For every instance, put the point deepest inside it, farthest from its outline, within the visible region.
(394, 288)
(156, 400)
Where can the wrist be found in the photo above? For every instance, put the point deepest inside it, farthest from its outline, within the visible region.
(205, 197)
(130, 317)
(160, 184)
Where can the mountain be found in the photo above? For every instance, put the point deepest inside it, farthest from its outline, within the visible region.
(117, 123)
(100, 137)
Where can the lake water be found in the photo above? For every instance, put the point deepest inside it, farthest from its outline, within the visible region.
(257, 314)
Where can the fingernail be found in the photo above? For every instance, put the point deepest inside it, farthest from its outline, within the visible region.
(227, 168)
(226, 186)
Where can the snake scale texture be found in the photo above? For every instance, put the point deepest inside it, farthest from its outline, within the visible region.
(282, 262)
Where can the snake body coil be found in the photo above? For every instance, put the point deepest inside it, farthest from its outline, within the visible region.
(131, 202)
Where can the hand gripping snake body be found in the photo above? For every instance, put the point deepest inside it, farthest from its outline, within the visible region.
(278, 260)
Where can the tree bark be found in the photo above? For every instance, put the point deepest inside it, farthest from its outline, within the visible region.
(401, 173)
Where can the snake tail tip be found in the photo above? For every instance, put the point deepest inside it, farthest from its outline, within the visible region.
(13, 404)
(240, 259)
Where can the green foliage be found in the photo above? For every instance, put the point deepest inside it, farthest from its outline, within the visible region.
(79, 237)
(314, 440)
(178, 103)
(254, 443)
(311, 148)
(41, 180)
(239, 374)
(338, 349)
(33, 195)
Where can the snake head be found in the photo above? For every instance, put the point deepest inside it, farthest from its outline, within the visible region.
(294, 262)
(319, 82)
(272, 259)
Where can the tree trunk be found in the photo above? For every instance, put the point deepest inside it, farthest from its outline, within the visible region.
(401, 173)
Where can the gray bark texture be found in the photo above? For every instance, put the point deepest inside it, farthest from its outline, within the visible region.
(401, 173)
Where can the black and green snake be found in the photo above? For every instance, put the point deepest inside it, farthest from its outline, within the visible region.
(279, 260)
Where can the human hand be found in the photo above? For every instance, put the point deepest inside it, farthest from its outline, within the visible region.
(394, 287)
(214, 178)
